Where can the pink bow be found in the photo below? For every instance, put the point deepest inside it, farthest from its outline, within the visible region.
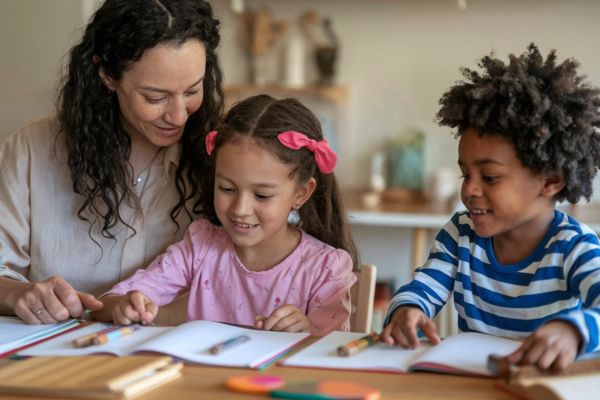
(209, 141)
(324, 156)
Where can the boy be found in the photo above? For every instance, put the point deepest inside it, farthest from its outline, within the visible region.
(517, 267)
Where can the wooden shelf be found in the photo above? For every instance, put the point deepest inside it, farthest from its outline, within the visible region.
(334, 93)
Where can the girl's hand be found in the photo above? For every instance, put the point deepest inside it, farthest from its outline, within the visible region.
(402, 328)
(553, 346)
(51, 300)
(287, 318)
(134, 307)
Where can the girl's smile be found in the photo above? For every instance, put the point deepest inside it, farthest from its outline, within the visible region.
(254, 193)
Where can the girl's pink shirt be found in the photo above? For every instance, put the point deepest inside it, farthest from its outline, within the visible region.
(315, 277)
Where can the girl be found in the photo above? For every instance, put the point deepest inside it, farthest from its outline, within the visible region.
(247, 264)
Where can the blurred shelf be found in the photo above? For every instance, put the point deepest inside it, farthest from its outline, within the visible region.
(334, 93)
(407, 214)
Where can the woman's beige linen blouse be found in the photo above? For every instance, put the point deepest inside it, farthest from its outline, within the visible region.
(40, 234)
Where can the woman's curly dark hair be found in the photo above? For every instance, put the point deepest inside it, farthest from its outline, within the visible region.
(98, 147)
(549, 113)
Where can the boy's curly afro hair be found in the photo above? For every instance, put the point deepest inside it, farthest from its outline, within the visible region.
(546, 110)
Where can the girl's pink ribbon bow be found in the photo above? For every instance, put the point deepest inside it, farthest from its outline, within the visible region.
(325, 158)
(209, 141)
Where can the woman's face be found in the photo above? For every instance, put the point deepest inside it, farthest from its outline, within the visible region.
(159, 92)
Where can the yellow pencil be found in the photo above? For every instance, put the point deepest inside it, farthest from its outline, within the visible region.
(357, 345)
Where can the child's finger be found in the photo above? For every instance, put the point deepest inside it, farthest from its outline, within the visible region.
(410, 332)
(562, 361)
(277, 315)
(148, 316)
(429, 330)
(119, 316)
(401, 338)
(259, 321)
(516, 356)
(548, 357)
(298, 326)
(386, 334)
(286, 322)
(138, 302)
(533, 354)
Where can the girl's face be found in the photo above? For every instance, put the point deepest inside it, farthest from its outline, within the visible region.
(503, 197)
(253, 197)
(158, 93)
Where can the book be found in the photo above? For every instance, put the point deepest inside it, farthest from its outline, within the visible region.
(15, 333)
(92, 377)
(581, 379)
(190, 342)
(460, 354)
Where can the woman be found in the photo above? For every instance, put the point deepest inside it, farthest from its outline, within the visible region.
(90, 196)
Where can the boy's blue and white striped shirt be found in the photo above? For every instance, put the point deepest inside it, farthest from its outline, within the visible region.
(559, 280)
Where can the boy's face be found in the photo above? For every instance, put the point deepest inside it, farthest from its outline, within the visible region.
(503, 197)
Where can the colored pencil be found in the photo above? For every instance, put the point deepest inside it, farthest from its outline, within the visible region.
(357, 345)
(87, 340)
(115, 334)
(226, 345)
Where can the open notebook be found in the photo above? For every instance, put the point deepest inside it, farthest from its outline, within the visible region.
(461, 354)
(189, 342)
(15, 333)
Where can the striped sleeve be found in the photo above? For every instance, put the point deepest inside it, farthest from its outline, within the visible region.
(433, 282)
(582, 270)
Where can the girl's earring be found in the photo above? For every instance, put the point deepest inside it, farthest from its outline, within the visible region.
(294, 215)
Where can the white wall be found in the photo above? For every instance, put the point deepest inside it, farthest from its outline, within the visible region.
(34, 37)
(398, 57)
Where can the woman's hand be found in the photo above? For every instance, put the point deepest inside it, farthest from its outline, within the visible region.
(134, 307)
(402, 328)
(287, 318)
(50, 301)
(553, 346)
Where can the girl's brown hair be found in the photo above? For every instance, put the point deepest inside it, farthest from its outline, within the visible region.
(262, 118)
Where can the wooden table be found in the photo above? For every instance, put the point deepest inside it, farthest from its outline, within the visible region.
(199, 382)
(209, 382)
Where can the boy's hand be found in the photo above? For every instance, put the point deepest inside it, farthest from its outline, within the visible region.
(287, 318)
(402, 328)
(134, 307)
(553, 346)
